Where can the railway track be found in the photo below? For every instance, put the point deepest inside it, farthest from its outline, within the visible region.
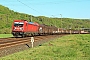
(10, 42)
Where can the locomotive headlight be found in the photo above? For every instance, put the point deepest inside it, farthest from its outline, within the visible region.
(21, 28)
(15, 28)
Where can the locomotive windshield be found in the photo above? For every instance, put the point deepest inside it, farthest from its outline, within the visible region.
(18, 24)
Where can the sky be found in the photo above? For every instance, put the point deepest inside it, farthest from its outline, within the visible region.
(51, 8)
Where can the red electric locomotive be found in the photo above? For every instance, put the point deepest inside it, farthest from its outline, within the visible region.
(22, 27)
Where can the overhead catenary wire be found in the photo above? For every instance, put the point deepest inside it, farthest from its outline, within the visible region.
(28, 6)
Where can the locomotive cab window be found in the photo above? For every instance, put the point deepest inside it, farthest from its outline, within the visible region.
(18, 24)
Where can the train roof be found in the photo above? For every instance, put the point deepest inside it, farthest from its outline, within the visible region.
(33, 23)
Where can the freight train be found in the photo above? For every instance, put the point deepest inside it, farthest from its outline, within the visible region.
(24, 28)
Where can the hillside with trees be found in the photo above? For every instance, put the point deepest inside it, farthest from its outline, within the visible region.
(7, 17)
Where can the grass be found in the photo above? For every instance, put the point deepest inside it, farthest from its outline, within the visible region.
(5, 35)
(71, 47)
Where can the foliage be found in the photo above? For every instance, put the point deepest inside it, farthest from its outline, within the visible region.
(7, 16)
